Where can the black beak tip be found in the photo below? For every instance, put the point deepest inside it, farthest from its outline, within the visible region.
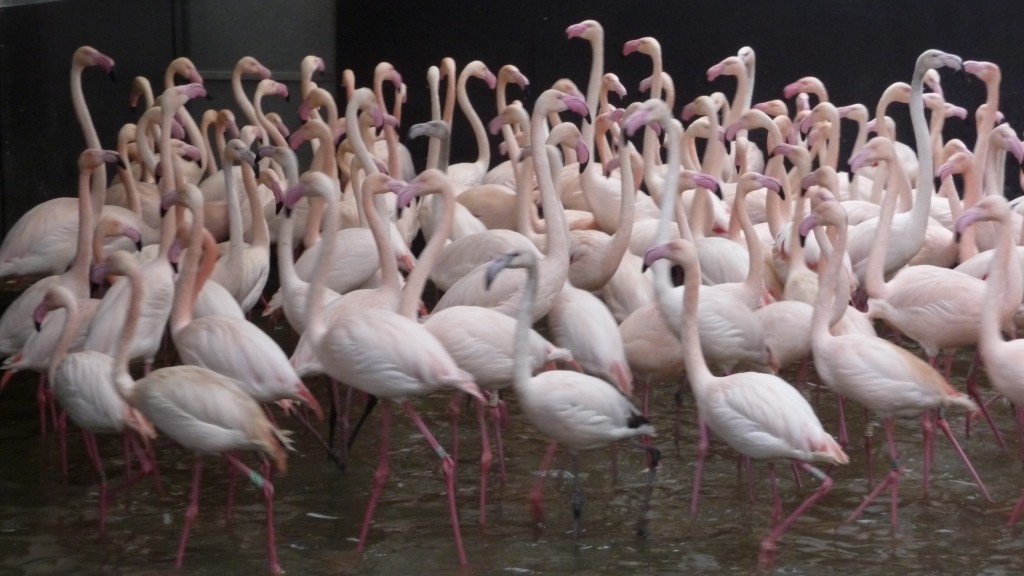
(644, 267)
(287, 98)
(113, 77)
(138, 245)
(38, 325)
(287, 211)
(803, 240)
(163, 212)
(956, 237)
(278, 207)
(583, 166)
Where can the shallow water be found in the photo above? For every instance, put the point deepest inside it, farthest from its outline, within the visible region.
(48, 525)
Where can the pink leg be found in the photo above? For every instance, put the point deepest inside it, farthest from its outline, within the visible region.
(94, 455)
(1016, 511)
(304, 420)
(127, 456)
(485, 460)
(948, 368)
(150, 455)
(41, 401)
(263, 483)
(745, 460)
(844, 438)
(448, 466)
(770, 544)
(702, 452)
(891, 480)
(776, 501)
(495, 412)
(192, 511)
(796, 475)
(454, 411)
(1019, 413)
(944, 426)
(869, 435)
(147, 466)
(380, 476)
(537, 491)
(972, 391)
(928, 438)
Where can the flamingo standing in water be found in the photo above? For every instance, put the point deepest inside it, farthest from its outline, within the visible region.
(874, 372)
(205, 412)
(760, 415)
(579, 411)
(1003, 360)
(381, 353)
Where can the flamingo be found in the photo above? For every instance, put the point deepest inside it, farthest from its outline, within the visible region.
(578, 411)
(16, 322)
(874, 372)
(555, 265)
(1002, 359)
(81, 383)
(205, 412)
(381, 353)
(759, 415)
(225, 344)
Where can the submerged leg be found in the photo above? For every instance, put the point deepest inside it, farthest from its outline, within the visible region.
(192, 511)
(698, 472)
(891, 480)
(448, 466)
(380, 476)
(944, 426)
(770, 544)
(537, 491)
(263, 483)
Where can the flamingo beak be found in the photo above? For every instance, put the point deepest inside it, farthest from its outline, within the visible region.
(307, 397)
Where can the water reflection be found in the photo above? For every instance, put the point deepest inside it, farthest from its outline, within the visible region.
(49, 526)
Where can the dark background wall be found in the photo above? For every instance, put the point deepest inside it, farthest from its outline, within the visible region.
(857, 48)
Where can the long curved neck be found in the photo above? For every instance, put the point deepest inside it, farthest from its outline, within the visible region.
(270, 131)
(79, 269)
(381, 232)
(259, 230)
(131, 322)
(697, 371)
(829, 281)
(985, 124)
(72, 325)
(327, 161)
(479, 133)
(286, 257)
(1002, 271)
(92, 139)
(235, 226)
(524, 321)
(755, 272)
(594, 85)
(555, 266)
(874, 280)
(433, 83)
(187, 288)
(627, 207)
(417, 280)
(316, 325)
(240, 97)
(669, 201)
(925, 171)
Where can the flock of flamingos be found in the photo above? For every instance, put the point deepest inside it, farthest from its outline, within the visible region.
(785, 266)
